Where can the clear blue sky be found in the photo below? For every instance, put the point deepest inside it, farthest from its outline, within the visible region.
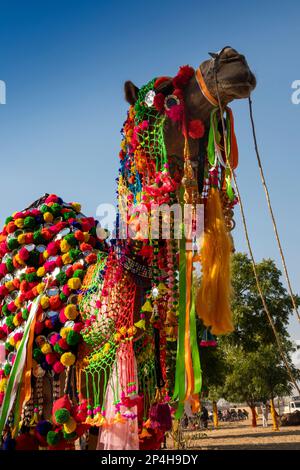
(64, 63)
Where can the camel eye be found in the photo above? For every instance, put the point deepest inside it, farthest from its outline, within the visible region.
(170, 101)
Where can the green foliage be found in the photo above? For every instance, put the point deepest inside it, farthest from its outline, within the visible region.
(247, 365)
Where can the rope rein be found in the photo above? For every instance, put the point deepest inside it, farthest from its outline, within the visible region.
(277, 338)
(263, 180)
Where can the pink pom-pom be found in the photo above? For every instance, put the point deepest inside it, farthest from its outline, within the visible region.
(58, 367)
(51, 198)
(54, 339)
(49, 266)
(52, 248)
(62, 317)
(23, 254)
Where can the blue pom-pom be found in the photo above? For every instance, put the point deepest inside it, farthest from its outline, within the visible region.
(43, 427)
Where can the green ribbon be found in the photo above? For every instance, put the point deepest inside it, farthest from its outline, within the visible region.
(194, 348)
(15, 376)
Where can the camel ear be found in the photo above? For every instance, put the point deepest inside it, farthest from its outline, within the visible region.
(131, 92)
(166, 86)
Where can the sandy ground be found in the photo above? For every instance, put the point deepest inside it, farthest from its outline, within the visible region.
(241, 436)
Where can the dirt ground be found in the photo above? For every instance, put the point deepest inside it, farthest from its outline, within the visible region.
(241, 436)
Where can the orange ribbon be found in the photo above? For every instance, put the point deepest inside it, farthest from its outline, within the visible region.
(205, 91)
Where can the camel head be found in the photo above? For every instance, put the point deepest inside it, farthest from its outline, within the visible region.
(234, 81)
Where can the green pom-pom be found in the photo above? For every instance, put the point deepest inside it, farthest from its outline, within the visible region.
(93, 231)
(22, 277)
(58, 349)
(5, 310)
(70, 238)
(9, 347)
(69, 435)
(62, 415)
(53, 438)
(13, 243)
(63, 297)
(61, 278)
(9, 322)
(8, 219)
(25, 313)
(79, 273)
(74, 254)
(9, 265)
(7, 369)
(55, 209)
(69, 215)
(38, 237)
(73, 338)
(37, 355)
(29, 222)
(44, 208)
(31, 277)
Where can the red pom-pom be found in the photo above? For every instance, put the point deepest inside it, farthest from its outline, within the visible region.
(38, 328)
(51, 358)
(23, 254)
(160, 80)
(159, 102)
(63, 344)
(184, 75)
(79, 235)
(58, 367)
(196, 129)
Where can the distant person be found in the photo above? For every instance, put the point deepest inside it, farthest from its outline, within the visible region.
(265, 413)
(245, 413)
(204, 417)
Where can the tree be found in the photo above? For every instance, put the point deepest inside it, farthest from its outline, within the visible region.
(256, 370)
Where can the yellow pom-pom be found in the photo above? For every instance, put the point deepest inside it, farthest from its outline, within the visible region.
(11, 341)
(22, 238)
(66, 258)
(76, 206)
(71, 312)
(48, 217)
(106, 347)
(41, 272)
(19, 223)
(18, 302)
(18, 344)
(45, 302)
(9, 285)
(40, 287)
(45, 254)
(67, 359)
(16, 320)
(64, 332)
(74, 283)
(70, 425)
(3, 383)
(46, 348)
(86, 236)
(64, 246)
(19, 260)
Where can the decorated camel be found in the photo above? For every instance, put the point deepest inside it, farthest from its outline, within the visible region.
(106, 331)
